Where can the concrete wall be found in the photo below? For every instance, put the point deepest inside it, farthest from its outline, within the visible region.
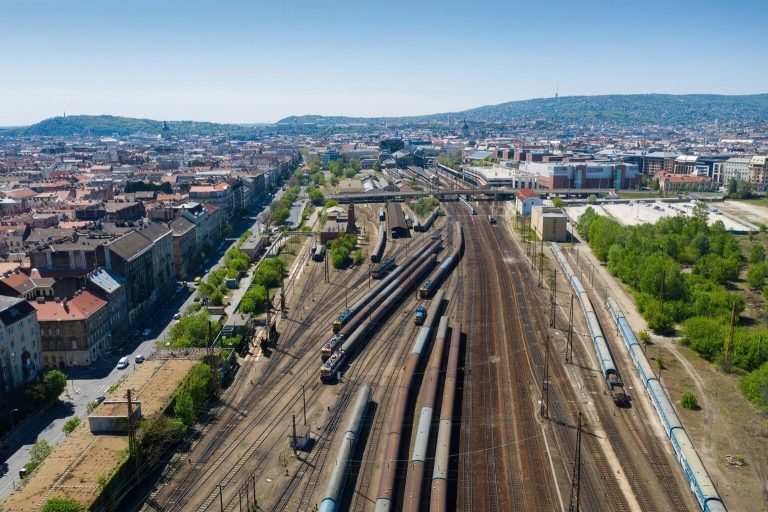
(550, 224)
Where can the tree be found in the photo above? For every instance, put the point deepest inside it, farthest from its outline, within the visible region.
(254, 301)
(688, 401)
(62, 505)
(558, 202)
(184, 407)
(193, 331)
(331, 203)
(217, 298)
(317, 197)
(357, 257)
(592, 199)
(279, 215)
(701, 211)
(70, 425)
(756, 254)
(756, 276)
(37, 454)
(54, 381)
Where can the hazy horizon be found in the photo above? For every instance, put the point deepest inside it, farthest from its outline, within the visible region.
(257, 62)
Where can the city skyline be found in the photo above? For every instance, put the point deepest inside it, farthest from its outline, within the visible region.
(243, 63)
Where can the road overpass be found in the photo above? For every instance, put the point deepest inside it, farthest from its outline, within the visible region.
(451, 194)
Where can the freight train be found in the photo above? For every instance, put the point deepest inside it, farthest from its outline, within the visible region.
(347, 316)
(607, 366)
(381, 242)
(699, 480)
(426, 289)
(318, 253)
(338, 474)
(382, 268)
(430, 220)
(376, 313)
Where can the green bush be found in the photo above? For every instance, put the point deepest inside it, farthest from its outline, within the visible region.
(755, 386)
(37, 454)
(688, 401)
(184, 408)
(62, 505)
(756, 275)
(71, 424)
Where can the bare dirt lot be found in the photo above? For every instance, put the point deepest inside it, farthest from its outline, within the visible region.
(74, 468)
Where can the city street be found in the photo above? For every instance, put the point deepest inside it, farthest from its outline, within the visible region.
(86, 384)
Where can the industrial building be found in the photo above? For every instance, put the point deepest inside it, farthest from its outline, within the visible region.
(550, 224)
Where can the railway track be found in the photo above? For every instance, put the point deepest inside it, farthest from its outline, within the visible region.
(260, 393)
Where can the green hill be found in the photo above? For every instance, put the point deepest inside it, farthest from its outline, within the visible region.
(98, 126)
(615, 109)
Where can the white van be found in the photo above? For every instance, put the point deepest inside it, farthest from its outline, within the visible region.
(122, 363)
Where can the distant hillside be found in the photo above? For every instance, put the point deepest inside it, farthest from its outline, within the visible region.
(631, 110)
(626, 110)
(98, 126)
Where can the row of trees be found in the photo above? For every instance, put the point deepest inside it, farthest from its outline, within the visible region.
(680, 270)
(269, 276)
(424, 206)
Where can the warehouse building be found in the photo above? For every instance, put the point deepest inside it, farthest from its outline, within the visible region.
(550, 224)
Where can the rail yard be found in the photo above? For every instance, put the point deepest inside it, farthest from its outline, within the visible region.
(502, 398)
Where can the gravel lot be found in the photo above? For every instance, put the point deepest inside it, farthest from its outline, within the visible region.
(631, 214)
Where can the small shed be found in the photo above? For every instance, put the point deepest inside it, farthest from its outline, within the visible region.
(111, 417)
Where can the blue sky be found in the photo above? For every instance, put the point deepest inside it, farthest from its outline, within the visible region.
(255, 61)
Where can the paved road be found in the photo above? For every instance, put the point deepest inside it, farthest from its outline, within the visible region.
(85, 384)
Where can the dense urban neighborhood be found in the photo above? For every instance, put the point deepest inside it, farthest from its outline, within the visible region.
(178, 299)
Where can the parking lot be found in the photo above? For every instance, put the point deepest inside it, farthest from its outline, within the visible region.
(639, 212)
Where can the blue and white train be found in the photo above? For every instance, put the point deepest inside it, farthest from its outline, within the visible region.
(699, 480)
(612, 378)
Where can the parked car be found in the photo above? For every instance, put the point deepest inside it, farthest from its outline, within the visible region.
(122, 364)
(139, 358)
(146, 332)
(99, 399)
(177, 316)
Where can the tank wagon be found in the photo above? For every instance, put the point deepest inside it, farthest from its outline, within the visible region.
(607, 366)
(374, 297)
(333, 365)
(338, 475)
(381, 242)
(699, 480)
(430, 220)
(429, 286)
(318, 253)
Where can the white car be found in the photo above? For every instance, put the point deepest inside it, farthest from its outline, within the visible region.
(177, 316)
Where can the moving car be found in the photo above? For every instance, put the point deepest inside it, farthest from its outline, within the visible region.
(177, 316)
(122, 363)
(139, 358)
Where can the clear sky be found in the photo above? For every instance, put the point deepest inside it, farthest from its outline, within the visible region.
(257, 61)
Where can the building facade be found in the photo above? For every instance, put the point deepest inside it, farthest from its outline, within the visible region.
(21, 356)
(73, 332)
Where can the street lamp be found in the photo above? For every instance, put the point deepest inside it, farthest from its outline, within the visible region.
(13, 411)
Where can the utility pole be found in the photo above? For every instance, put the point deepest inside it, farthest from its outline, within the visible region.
(541, 262)
(553, 298)
(132, 447)
(544, 411)
(293, 416)
(569, 344)
(573, 506)
(326, 275)
(304, 399)
(221, 498)
(283, 310)
(729, 344)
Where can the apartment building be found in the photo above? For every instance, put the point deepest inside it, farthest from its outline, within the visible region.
(74, 332)
(21, 356)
